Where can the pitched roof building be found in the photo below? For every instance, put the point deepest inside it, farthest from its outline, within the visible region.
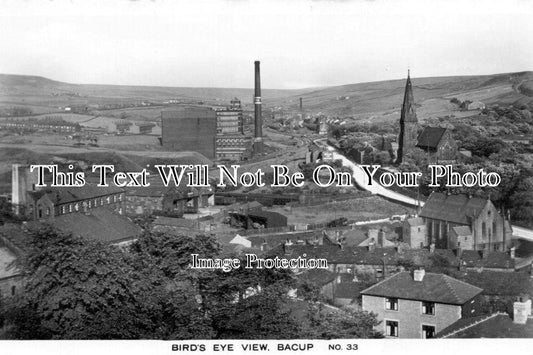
(438, 143)
(420, 305)
(443, 212)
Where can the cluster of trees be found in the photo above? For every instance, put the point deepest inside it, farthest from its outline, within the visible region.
(16, 111)
(79, 289)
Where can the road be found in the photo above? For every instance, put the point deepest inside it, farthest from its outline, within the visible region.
(361, 180)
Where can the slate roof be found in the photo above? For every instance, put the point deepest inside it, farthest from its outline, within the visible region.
(462, 231)
(98, 224)
(494, 326)
(61, 195)
(430, 137)
(338, 255)
(452, 208)
(438, 288)
(362, 255)
(494, 259)
(499, 283)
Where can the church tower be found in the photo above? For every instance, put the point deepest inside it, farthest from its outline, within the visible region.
(408, 123)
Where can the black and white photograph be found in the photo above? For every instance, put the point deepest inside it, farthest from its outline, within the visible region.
(253, 176)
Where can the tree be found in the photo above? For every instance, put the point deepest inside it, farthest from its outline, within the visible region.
(76, 289)
(347, 323)
(6, 213)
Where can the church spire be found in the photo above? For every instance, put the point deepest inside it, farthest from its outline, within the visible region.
(408, 123)
(408, 107)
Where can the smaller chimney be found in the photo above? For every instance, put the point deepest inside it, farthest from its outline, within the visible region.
(380, 238)
(521, 311)
(371, 245)
(418, 275)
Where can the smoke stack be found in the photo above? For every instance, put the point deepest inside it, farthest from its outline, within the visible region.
(258, 136)
(301, 105)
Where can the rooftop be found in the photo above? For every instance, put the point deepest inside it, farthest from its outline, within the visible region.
(494, 259)
(430, 137)
(438, 288)
(452, 208)
(99, 224)
(61, 195)
(498, 325)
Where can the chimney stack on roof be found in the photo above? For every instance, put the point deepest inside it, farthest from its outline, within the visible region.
(418, 275)
(371, 245)
(521, 311)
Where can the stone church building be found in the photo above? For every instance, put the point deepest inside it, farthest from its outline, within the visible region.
(436, 142)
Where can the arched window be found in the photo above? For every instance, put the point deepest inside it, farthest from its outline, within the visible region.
(483, 230)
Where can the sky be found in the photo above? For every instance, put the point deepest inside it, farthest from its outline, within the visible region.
(300, 43)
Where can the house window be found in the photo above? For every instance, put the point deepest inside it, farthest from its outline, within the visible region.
(70, 208)
(419, 229)
(428, 308)
(428, 331)
(391, 304)
(13, 290)
(48, 211)
(391, 328)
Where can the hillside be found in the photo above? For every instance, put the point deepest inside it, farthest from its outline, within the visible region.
(378, 101)
(41, 92)
(382, 100)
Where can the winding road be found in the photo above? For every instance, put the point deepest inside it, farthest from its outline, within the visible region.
(361, 180)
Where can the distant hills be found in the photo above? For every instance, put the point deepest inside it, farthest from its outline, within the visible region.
(376, 101)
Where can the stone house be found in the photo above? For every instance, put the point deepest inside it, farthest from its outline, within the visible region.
(421, 304)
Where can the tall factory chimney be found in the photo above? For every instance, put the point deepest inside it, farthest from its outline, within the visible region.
(258, 132)
(301, 104)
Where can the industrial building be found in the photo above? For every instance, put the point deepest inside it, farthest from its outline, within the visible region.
(191, 128)
(231, 143)
(216, 134)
